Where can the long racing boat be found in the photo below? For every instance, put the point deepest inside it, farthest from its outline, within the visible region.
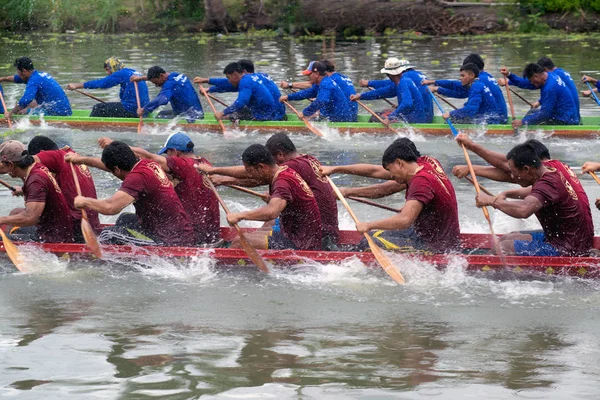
(475, 256)
(81, 120)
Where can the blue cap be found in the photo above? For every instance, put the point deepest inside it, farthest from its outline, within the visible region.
(178, 141)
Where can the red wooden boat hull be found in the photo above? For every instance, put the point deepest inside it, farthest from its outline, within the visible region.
(588, 267)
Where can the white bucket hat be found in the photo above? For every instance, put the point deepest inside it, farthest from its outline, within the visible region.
(394, 66)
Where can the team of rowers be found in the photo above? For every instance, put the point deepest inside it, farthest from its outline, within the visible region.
(335, 98)
(175, 206)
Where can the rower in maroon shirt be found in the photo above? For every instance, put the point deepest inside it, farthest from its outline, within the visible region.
(290, 199)
(45, 205)
(548, 193)
(198, 200)
(429, 218)
(45, 151)
(162, 219)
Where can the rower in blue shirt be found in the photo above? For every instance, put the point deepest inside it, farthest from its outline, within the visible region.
(1, 107)
(118, 74)
(343, 82)
(222, 85)
(176, 89)
(410, 103)
(480, 107)
(417, 77)
(556, 101)
(548, 65)
(43, 95)
(330, 100)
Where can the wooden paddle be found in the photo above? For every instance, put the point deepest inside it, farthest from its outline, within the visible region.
(510, 102)
(137, 98)
(263, 196)
(587, 83)
(13, 253)
(445, 101)
(377, 116)
(381, 258)
(212, 106)
(308, 124)
(248, 248)
(86, 228)
(384, 99)
(8, 185)
(521, 97)
(474, 177)
(593, 174)
(221, 102)
(92, 96)
(5, 110)
(374, 204)
(484, 190)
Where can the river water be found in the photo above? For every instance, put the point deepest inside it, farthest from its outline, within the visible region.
(185, 329)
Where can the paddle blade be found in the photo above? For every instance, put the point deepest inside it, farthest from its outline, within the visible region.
(251, 251)
(90, 238)
(13, 253)
(385, 262)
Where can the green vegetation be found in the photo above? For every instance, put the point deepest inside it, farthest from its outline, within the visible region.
(545, 6)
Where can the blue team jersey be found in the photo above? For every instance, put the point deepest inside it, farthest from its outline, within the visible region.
(330, 100)
(48, 94)
(2, 108)
(417, 78)
(410, 103)
(253, 93)
(178, 91)
(524, 83)
(480, 107)
(347, 87)
(556, 104)
(127, 92)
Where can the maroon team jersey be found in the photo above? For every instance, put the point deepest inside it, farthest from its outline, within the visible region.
(54, 160)
(437, 224)
(55, 224)
(197, 198)
(573, 180)
(300, 220)
(564, 216)
(308, 168)
(156, 204)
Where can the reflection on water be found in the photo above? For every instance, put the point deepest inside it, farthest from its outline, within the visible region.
(180, 330)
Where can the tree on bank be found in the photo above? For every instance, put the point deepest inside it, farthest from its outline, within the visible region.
(216, 18)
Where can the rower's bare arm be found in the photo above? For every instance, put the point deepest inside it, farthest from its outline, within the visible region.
(265, 213)
(374, 191)
(9, 78)
(514, 208)
(402, 220)
(590, 166)
(484, 171)
(236, 171)
(367, 170)
(160, 160)
(519, 193)
(29, 217)
(494, 158)
(89, 161)
(111, 206)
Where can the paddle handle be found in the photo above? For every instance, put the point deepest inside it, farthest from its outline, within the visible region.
(439, 106)
(221, 102)
(340, 196)
(593, 174)
(139, 104)
(384, 99)
(377, 116)
(587, 83)
(77, 187)
(212, 106)
(252, 192)
(90, 96)
(8, 185)
(445, 101)
(308, 124)
(5, 110)
(374, 204)
(521, 97)
(510, 102)
(483, 189)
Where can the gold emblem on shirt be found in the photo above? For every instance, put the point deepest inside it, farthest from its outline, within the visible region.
(298, 178)
(84, 170)
(52, 179)
(568, 187)
(160, 174)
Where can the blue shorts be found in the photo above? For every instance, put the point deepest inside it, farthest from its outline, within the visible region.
(276, 240)
(536, 247)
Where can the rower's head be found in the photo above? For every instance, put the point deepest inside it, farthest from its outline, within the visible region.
(394, 68)
(41, 143)
(536, 74)
(259, 163)
(546, 63)
(234, 73)
(119, 159)
(524, 164)
(315, 71)
(400, 160)
(112, 65)
(468, 74)
(329, 67)
(15, 159)
(177, 144)
(24, 67)
(474, 59)
(281, 147)
(540, 149)
(157, 75)
(247, 65)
